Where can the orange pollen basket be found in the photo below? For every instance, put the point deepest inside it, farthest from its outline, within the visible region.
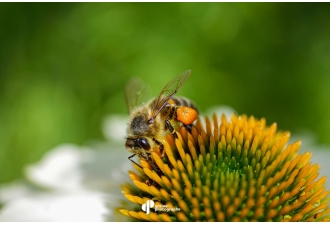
(186, 115)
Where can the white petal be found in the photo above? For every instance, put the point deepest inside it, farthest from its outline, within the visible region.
(13, 190)
(55, 207)
(219, 110)
(59, 168)
(320, 153)
(114, 127)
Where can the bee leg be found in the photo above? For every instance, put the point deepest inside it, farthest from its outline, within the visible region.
(168, 125)
(133, 161)
(188, 127)
(154, 167)
(161, 146)
(151, 182)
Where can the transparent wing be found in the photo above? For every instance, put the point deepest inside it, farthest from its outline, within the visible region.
(168, 91)
(136, 93)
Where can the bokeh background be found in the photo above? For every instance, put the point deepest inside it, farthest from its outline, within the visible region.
(64, 66)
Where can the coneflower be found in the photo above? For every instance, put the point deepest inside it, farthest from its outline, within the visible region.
(229, 170)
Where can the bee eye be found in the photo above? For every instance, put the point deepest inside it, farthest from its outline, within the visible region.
(144, 144)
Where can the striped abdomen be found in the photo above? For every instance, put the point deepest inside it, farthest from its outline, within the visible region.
(169, 111)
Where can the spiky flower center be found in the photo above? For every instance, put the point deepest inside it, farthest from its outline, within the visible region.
(236, 170)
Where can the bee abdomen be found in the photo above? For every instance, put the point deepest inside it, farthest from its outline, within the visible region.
(169, 111)
(182, 101)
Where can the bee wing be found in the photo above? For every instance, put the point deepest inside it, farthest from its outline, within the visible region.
(136, 93)
(170, 89)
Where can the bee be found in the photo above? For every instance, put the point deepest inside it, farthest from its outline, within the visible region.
(150, 121)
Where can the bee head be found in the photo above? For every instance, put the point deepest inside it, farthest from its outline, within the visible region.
(138, 143)
(139, 125)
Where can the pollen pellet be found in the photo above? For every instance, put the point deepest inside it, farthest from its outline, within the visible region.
(186, 115)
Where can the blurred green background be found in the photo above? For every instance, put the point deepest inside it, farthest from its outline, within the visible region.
(63, 66)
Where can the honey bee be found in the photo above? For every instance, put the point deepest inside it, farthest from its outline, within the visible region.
(150, 121)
